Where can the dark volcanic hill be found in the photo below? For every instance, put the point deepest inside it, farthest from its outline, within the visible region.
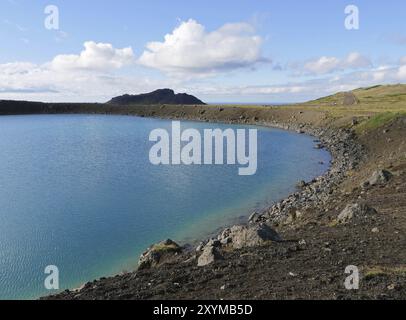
(162, 96)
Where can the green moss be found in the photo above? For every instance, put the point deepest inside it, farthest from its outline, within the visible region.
(161, 248)
(333, 223)
(374, 272)
(378, 121)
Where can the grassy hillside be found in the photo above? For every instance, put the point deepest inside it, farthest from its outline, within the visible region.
(377, 99)
(359, 102)
(372, 107)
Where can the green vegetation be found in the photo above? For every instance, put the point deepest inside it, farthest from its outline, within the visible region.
(378, 121)
(164, 247)
(376, 99)
(360, 102)
(373, 272)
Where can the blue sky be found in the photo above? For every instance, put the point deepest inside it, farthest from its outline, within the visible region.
(222, 51)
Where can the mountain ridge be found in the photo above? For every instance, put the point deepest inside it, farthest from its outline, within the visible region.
(160, 96)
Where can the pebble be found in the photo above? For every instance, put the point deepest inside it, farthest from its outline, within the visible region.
(392, 287)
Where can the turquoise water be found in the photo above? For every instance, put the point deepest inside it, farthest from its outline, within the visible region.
(79, 192)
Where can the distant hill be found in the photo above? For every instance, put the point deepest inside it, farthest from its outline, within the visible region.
(373, 97)
(161, 96)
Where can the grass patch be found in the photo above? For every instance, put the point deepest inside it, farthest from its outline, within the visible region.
(161, 248)
(373, 272)
(370, 88)
(333, 223)
(377, 121)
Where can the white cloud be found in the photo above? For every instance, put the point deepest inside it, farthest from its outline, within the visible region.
(83, 77)
(322, 65)
(13, 68)
(402, 72)
(190, 49)
(23, 77)
(269, 90)
(355, 60)
(306, 89)
(403, 60)
(95, 56)
(26, 81)
(89, 76)
(325, 65)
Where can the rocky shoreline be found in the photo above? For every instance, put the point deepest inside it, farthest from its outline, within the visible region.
(346, 153)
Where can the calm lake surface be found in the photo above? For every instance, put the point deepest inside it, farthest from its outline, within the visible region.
(79, 192)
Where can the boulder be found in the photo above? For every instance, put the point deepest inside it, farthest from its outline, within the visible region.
(224, 237)
(252, 236)
(292, 217)
(254, 217)
(301, 184)
(213, 243)
(350, 99)
(158, 253)
(226, 241)
(209, 255)
(355, 210)
(379, 177)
